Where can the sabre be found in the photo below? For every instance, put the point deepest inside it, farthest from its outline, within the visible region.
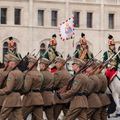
(98, 53)
(116, 55)
(32, 52)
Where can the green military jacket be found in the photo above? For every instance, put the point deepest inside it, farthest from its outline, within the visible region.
(18, 55)
(88, 55)
(114, 62)
(51, 54)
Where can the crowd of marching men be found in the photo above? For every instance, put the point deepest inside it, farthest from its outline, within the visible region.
(81, 95)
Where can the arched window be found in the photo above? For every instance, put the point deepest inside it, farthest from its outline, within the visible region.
(42, 49)
(49, 46)
(6, 48)
(78, 46)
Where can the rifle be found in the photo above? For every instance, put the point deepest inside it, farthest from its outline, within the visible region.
(69, 58)
(65, 88)
(35, 63)
(107, 61)
(96, 68)
(5, 77)
(52, 62)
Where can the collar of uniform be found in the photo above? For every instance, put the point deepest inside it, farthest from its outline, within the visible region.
(52, 50)
(62, 68)
(81, 48)
(34, 69)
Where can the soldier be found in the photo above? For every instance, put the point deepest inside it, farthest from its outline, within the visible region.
(83, 53)
(61, 79)
(94, 103)
(78, 104)
(12, 49)
(52, 53)
(2, 74)
(49, 81)
(103, 97)
(111, 70)
(12, 102)
(33, 101)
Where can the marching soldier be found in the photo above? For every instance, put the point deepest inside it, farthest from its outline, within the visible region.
(103, 97)
(12, 49)
(33, 101)
(52, 53)
(2, 74)
(79, 103)
(83, 53)
(48, 83)
(12, 102)
(61, 79)
(94, 103)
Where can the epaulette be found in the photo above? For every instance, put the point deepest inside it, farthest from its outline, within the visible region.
(57, 71)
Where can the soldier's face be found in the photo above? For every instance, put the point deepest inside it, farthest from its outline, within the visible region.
(58, 64)
(42, 66)
(89, 70)
(12, 48)
(54, 46)
(30, 64)
(84, 46)
(5, 63)
(112, 47)
(75, 66)
(11, 64)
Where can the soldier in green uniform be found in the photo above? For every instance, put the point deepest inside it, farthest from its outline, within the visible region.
(83, 53)
(12, 49)
(110, 52)
(111, 70)
(52, 53)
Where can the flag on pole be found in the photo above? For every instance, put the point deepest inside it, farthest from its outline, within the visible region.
(66, 30)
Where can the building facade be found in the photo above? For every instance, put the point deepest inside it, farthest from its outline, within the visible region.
(32, 23)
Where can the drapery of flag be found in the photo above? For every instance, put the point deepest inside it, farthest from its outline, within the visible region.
(66, 30)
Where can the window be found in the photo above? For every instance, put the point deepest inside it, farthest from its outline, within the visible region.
(6, 48)
(17, 16)
(89, 20)
(76, 19)
(49, 46)
(40, 17)
(54, 18)
(42, 49)
(111, 21)
(3, 15)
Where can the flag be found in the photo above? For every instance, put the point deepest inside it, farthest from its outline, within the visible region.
(66, 30)
(73, 43)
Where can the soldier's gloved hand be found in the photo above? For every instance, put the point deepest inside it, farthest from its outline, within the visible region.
(58, 95)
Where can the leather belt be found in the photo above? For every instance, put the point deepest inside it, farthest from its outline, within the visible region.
(101, 92)
(16, 91)
(46, 90)
(58, 88)
(34, 91)
(95, 92)
(80, 94)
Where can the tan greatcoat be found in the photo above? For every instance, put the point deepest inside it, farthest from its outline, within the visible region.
(61, 79)
(93, 86)
(77, 87)
(48, 84)
(14, 82)
(33, 81)
(103, 86)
